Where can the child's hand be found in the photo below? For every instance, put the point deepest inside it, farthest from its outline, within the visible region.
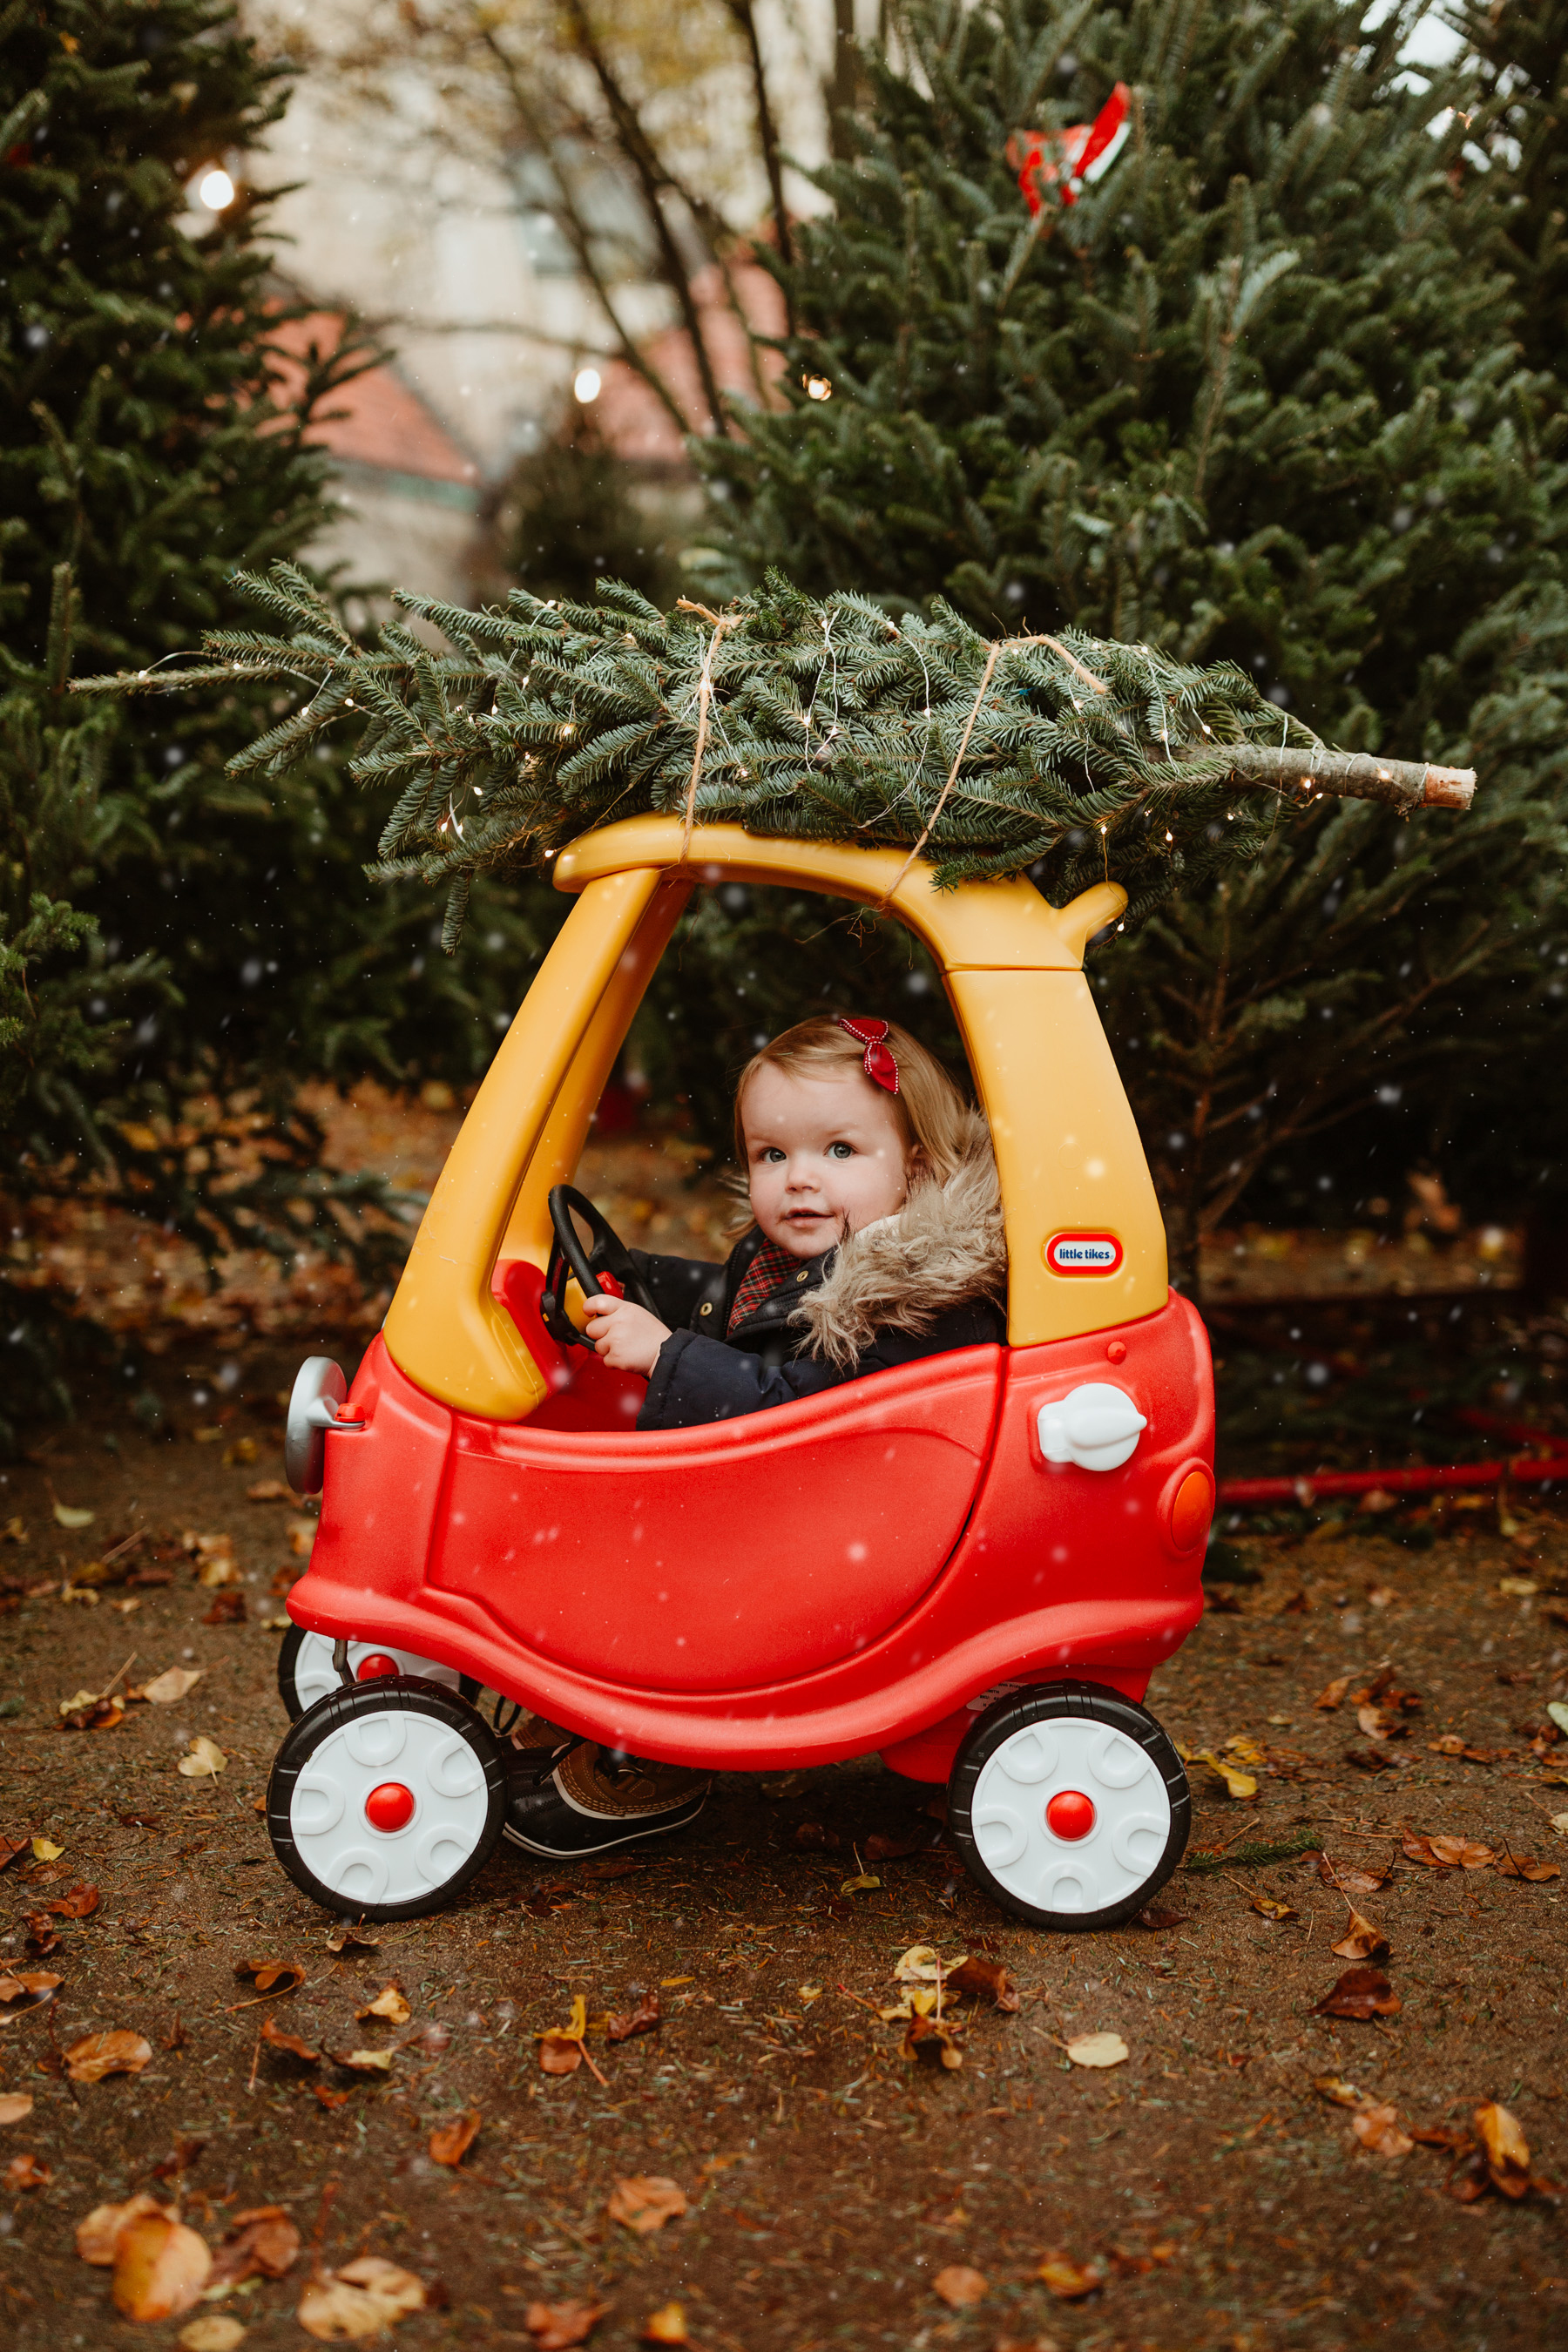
(625, 1335)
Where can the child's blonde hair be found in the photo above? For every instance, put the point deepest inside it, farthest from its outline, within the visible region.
(932, 1115)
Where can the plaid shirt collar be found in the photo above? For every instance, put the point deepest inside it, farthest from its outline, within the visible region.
(770, 1268)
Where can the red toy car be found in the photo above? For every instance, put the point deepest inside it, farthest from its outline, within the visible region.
(971, 1564)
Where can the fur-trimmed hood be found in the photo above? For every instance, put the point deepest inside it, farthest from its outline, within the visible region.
(944, 1247)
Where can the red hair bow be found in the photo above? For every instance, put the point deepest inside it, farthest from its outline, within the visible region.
(880, 1067)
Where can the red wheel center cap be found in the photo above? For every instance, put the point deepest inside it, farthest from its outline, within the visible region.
(390, 1807)
(378, 1663)
(1069, 1814)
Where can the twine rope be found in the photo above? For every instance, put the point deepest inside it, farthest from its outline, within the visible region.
(718, 621)
(1004, 646)
(704, 699)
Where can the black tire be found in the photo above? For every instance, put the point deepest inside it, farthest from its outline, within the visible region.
(432, 1709)
(1070, 1704)
(287, 1658)
(289, 1651)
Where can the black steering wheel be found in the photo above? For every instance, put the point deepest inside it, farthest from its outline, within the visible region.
(608, 1254)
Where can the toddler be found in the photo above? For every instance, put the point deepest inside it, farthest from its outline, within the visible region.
(878, 1239)
(876, 1236)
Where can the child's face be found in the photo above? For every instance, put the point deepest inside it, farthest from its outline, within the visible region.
(821, 1153)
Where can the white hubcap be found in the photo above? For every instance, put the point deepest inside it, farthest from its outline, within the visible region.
(396, 1750)
(315, 1675)
(1066, 1758)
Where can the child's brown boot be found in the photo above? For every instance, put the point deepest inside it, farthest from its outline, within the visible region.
(594, 1799)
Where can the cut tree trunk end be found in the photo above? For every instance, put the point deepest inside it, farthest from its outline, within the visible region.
(1348, 775)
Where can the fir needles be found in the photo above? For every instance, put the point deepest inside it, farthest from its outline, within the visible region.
(1075, 758)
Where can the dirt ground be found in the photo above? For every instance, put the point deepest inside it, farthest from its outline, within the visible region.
(1199, 2193)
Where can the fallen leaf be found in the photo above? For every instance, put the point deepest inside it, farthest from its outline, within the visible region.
(216, 2332)
(920, 1965)
(1096, 2050)
(1342, 2093)
(1506, 2149)
(99, 1715)
(43, 1936)
(1376, 1723)
(878, 1848)
(1331, 1696)
(932, 2041)
(98, 2233)
(389, 2003)
(1446, 1853)
(665, 2325)
(229, 1608)
(554, 2326)
(66, 1516)
(160, 2267)
(365, 2061)
(273, 2034)
(272, 1975)
(1360, 1994)
(270, 1490)
(1517, 1588)
(862, 1885)
(1071, 2281)
(11, 1847)
(98, 2054)
(1369, 1760)
(243, 1452)
(14, 2106)
(351, 1940)
(205, 1758)
(646, 2201)
(1361, 1940)
(142, 1821)
(214, 1555)
(1242, 1786)
(1520, 1865)
(561, 2047)
(1557, 1709)
(1267, 1908)
(261, 2243)
(328, 2098)
(812, 1837)
(24, 1988)
(1159, 1920)
(79, 1904)
(25, 2172)
(643, 2019)
(362, 2299)
(301, 1536)
(1351, 1878)
(1377, 2128)
(960, 2285)
(46, 1850)
(449, 2143)
(810, 1992)
(983, 1980)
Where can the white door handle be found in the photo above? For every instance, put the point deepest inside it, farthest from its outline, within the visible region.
(1096, 1425)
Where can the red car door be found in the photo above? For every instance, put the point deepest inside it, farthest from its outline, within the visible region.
(725, 1558)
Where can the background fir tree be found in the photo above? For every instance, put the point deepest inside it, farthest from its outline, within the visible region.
(163, 932)
(1258, 393)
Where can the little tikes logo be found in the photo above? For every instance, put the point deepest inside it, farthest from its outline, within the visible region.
(1083, 1253)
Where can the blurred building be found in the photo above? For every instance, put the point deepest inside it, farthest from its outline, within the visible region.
(416, 201)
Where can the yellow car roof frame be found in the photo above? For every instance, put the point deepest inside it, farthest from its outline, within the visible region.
(1066, 1146)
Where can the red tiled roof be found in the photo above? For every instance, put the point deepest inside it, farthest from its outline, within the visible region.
(377, 420)
(631, 418)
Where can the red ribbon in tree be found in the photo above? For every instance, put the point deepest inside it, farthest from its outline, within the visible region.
(880, 1067)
